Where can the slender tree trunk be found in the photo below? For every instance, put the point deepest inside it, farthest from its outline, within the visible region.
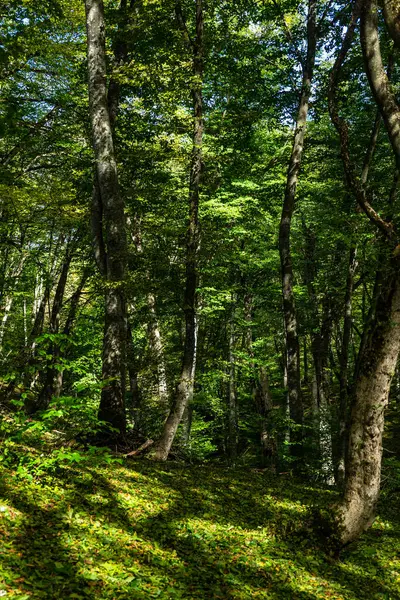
(321, 397)
(58, 374)
(25, 322)
(109, 223)
(232, 397)
(261, 393)
(326, 435)
(320, 344)
(344, 364)
(27, 355)
(289, 308)
(305, 362)
(52, 372)
(184, 392)
(158, 352)
(286, 399)
(38, 324)
(187, 421)
(377, 76)
(348, 320)
(264, 403)
(155, 337)
(391, 14)
(6, 313)
(37, 296)
(133, 379)
(14, 276)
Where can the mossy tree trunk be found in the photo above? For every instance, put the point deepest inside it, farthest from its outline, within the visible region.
(108, 220)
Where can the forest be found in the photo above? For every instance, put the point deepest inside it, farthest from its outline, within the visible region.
(199, 299)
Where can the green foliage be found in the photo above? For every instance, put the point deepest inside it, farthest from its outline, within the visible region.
(171, 531)
(77, 523)
(202, 445)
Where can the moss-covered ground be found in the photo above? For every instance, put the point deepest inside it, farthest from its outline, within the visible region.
(141, 530)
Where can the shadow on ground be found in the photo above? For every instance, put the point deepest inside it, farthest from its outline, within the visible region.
(163, 531)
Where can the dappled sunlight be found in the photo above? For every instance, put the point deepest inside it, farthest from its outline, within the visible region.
(146, 531)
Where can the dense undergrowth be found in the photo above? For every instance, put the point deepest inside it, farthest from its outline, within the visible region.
(76, 525)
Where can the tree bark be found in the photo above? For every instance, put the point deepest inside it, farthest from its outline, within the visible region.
(52, 372)
(184, 392)
(362, 485)
(348, 320)
(321, 325)
(9, 299)
(158, 351)
(391, 9)
(111, 230)
(134, 389)
(356, 511)
(377, 76)
(289, 307)
(69, 323)
(264, 403)
(261, 392)
(232, 397)
(187, 421)
(344, 364)
(155, 337)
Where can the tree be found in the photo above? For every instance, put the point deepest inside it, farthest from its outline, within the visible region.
(184, 392)
(356, 510)
(109, 223)
(289, 309)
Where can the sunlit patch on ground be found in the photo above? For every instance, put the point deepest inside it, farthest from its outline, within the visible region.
(149, 531)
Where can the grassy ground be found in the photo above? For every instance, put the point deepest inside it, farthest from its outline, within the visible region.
(138, 530)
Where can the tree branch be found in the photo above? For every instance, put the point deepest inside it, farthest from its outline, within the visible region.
(183, 27)
(343, 130)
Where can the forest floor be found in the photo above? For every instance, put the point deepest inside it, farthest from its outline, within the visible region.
(96, 528)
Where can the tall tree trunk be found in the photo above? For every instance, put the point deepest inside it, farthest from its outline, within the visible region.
(264, 403)
(133, 378)
(109, 220)
(348, 320)
(27, 355)
(184, 392)
(379, 79)
(9, 299)
(158, 351)
(187, 422)
(155, 337)
(305, 362)
(37, 296)
(24, 316)
(55, 378)
(391, 14)
(289, 308)
(344, 364)
(356, 511)
(261, 392)
(363, 468)
(52, 372)
(321, 325)
(232, 397)
(320, 346)
(67, 329)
